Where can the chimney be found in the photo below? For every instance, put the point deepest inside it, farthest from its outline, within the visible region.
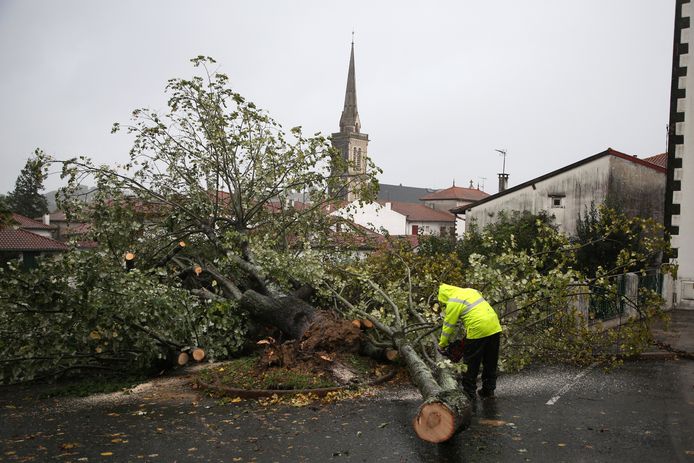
(46, 219)
(503, 182)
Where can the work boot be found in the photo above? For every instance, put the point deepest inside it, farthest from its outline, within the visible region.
(485, 394)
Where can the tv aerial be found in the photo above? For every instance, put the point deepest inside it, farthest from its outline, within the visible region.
(503, 153)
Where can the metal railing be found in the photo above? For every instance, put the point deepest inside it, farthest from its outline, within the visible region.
(605, 303)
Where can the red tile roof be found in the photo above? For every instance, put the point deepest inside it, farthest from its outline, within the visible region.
(361, 237)
(77, 229)
(22, 240)
(26, 222)
(658, 160)
(633, 159)
(456, 193)
(419, 212)
(86, 244)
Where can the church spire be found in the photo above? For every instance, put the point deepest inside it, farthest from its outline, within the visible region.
(349, 121)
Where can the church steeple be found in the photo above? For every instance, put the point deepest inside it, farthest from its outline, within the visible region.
(351, 143)
(349, 121)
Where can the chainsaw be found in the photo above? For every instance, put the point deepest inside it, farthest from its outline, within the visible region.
(454, 351)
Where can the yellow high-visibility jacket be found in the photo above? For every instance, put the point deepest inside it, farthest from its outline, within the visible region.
(468, 306)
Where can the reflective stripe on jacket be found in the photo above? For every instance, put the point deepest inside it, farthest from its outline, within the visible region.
(468, 306)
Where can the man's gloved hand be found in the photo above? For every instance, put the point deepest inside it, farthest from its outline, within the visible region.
(442, 350)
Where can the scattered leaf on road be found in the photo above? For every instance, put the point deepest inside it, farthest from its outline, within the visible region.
(495, 423)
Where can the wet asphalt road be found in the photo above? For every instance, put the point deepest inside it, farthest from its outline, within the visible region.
(643, 411)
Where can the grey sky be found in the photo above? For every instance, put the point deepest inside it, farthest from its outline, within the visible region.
(440, 84)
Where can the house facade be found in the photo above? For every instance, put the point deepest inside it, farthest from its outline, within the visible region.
(399, 218)
(25, 240)
(636, 185)
(451, 198)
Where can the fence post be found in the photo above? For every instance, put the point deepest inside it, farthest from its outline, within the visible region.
(666, 291)
(580, 302)
(631, 292)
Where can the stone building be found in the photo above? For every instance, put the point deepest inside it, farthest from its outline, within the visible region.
(679, 199)
(349, 140)
(637, 185)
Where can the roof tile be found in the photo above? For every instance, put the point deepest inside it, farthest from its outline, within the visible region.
(23, 240)
(26, 222)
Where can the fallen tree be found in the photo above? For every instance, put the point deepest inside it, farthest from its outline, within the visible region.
(445, 410)
(203, 244)
(220, 175)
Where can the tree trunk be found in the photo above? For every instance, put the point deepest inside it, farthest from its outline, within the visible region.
(289, 314)
(446, 409)
(382, 354)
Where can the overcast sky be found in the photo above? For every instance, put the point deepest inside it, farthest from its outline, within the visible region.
(440, 84)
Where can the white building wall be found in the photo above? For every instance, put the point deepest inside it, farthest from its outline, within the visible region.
(375, 217)
(684, 239)
(427, 228)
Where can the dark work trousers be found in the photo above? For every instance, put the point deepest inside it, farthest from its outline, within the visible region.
(484, 351)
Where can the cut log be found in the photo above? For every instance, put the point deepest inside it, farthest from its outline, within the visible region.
(367, 324)
(446, 410)
(182, 358)
(357, 323)
(440, 417)
(198, 354)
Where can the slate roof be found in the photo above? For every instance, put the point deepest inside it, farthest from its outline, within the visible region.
(456, 193)
(419, 212)
(406, 194)
(607, 152)
(23, 240)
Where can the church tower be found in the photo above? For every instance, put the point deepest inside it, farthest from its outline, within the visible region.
(349, 140)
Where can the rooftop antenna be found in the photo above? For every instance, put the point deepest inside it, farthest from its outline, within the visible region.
(352, 36)
(502, 152)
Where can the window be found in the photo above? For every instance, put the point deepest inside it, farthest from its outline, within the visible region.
(556, 200)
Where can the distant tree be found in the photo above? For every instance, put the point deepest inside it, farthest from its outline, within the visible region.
(26, 199)
(4, 203)
(5, 214)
